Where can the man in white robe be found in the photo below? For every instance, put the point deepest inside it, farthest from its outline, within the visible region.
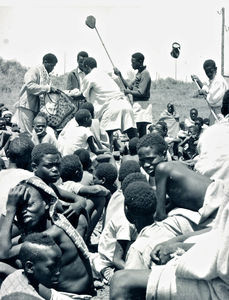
(111, 106)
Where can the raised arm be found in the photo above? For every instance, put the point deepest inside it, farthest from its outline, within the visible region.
(15, 196)
(119, 74)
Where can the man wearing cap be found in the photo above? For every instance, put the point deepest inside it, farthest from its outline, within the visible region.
(36, 84)
(215, 90)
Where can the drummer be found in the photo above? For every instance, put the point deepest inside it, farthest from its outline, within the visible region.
(36, 84)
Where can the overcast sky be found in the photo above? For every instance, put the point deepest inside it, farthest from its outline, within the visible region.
(30, 29)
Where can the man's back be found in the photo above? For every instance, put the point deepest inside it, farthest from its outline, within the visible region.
(184, 187)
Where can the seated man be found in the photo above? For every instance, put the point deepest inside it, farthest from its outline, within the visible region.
(34, 203)
(174, 179)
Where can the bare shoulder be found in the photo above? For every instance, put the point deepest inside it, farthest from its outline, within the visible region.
(170, 167)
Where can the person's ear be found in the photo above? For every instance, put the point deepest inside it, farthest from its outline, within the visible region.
(34, 166)
(103, 180)
(29, 267)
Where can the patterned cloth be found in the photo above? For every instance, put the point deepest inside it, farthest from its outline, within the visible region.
(59, 219)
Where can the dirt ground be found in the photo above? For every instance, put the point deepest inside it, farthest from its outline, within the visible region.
(102, 294)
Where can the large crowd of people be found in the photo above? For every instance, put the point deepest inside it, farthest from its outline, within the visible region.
(113, 198)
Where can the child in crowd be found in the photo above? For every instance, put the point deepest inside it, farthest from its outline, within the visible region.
(39, 133)
(99, 133)
(182, 133)
(189, 193)
(4, 134)
(116, 203)
(116, 238)
(71, 172)
(199, 123)
(106, 174)
(206, 122)
(192, 118)
(132, 153)
(86, 162)
(34, 204)
(7, 115)
(40, 259)
(171, 117)
(188, 148)
(78, 135)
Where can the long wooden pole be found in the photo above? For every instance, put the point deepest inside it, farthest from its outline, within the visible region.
(222, 41)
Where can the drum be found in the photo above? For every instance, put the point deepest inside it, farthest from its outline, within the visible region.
(59, 109)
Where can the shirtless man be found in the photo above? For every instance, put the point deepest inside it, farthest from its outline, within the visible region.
(184, 187)
(31, 202)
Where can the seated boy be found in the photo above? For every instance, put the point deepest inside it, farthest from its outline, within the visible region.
(46, 165)
(71, 172)
(188, 147)
(33, 203)
(106, 175)
(84, 156)
(39, 134)
(116, 203)
(80, 137)
(116, 238)
(99, 133)
(40, 259)
(132, 153)
(184, 187)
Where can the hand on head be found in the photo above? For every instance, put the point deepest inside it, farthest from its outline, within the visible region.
(16, 197)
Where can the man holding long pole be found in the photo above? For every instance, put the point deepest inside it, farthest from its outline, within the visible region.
(112, 107)
(140, 90)
(214, 91)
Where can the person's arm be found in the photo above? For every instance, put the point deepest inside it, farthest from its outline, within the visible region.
(32, 83)
(161, 176)
(140, 92)
(216, 93)
(197, 80)
(119, 74)
(161, 252)
(15, 196)
(92, 147)
(119, 254)
(93, 190)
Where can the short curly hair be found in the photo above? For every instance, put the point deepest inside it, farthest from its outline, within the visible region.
(69, 165)
(107, 171)
(128, 167)
(42, 149)
(133, 145)
(131, 178)
(19, 151)
(81, 115)
(140, 199)
(153, 140)
(29, 250)
(84, 157)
